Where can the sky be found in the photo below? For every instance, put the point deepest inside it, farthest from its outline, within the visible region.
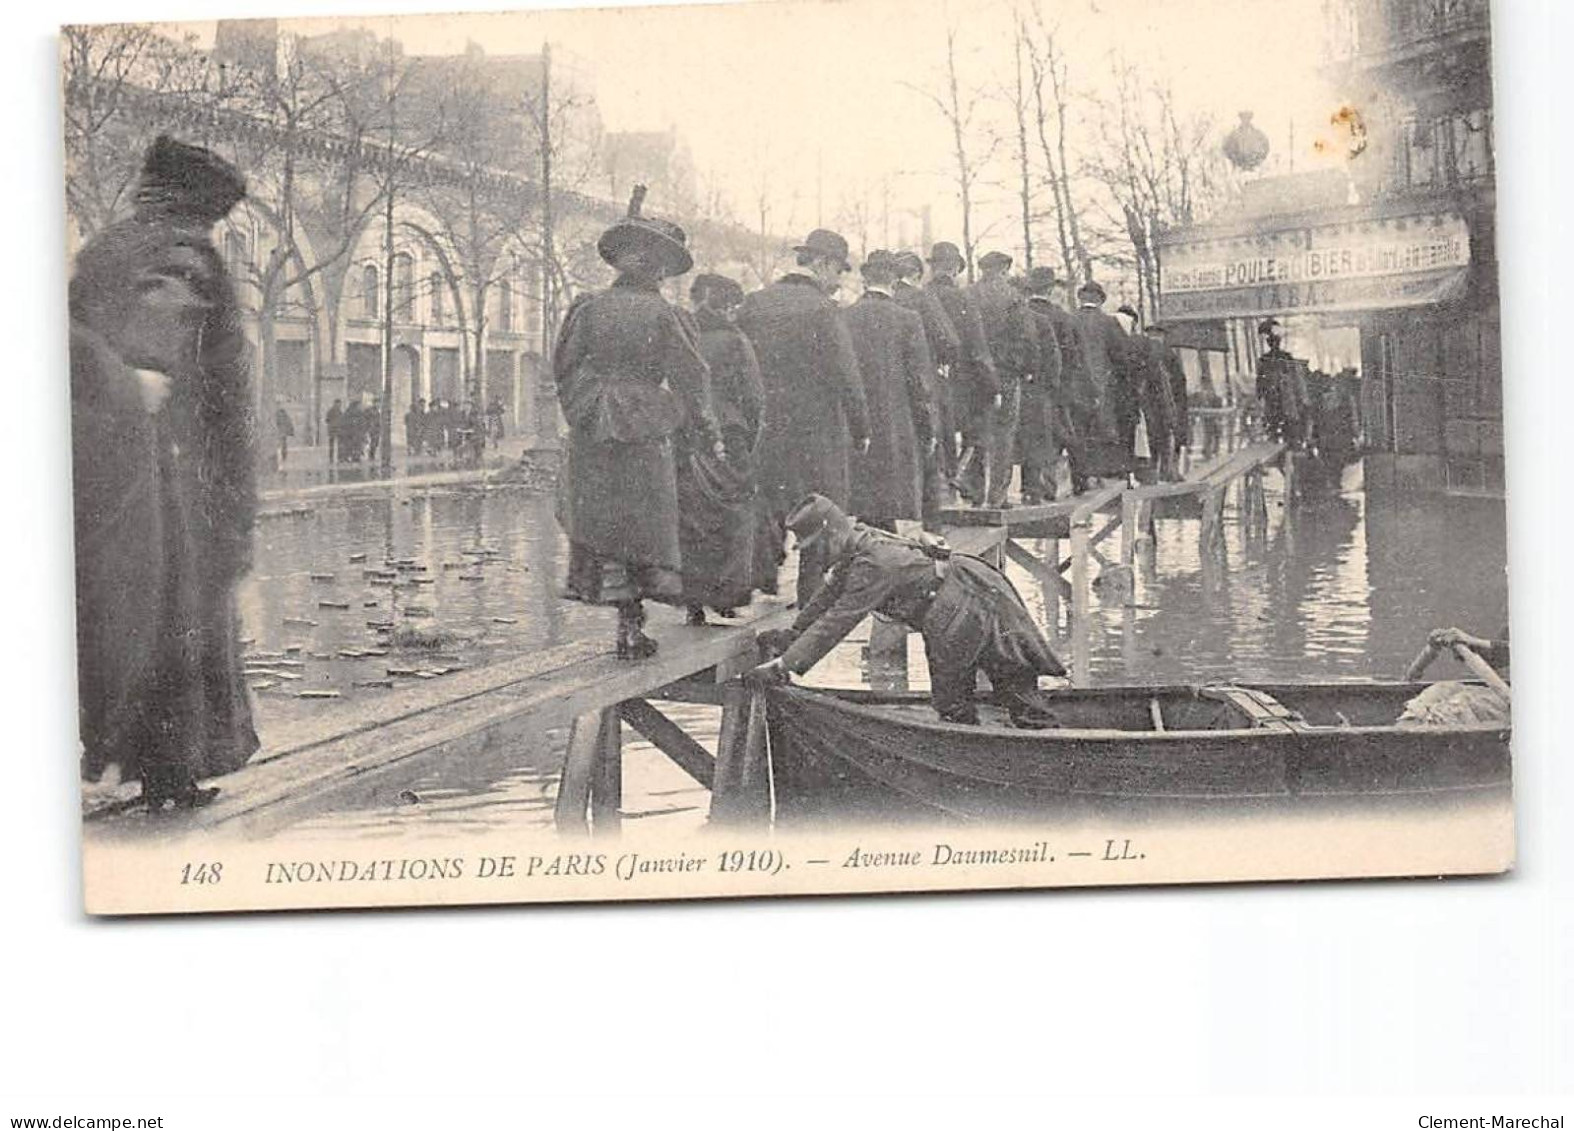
(815, 100)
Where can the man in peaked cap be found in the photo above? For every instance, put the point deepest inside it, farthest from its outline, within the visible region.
(972, 377)
(1280, 389)
(163, 444)
(1047, 426)
(990, 428)
(970, 616)
(945, 347)
(898, 376)
(816, 417)
(1109, 441)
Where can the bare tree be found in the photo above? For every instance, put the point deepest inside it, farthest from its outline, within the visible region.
(124, 83)
(961, 114)
(1155, 167)
(1049, 75)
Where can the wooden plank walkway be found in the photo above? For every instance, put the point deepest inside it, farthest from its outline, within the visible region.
(368, 756)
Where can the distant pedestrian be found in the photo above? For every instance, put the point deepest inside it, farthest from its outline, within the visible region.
(352, 437)
(414, 421)
(629, 374)
(285, 427)
(372, 423)
(494, 420)
(334, 421)
(815, 414)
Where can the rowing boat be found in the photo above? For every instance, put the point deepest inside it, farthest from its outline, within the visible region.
(1123, 750)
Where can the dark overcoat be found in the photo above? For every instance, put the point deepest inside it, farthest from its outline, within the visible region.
(898, 376)
(629, 374)
(1009, 329)
(815, 412)
(945, 343)
(973, 379)
(1111, 419)
(1043, 401)
(716, 497)
(1157, 402)
(164, 507)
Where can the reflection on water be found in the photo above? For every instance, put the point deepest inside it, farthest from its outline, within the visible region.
(1341, 586)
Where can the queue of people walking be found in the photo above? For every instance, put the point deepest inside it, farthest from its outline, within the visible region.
(694, 435)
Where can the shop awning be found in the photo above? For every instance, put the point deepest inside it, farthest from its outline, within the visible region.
(1352, 264)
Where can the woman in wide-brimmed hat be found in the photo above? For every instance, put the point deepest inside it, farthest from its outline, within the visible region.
(629, 374)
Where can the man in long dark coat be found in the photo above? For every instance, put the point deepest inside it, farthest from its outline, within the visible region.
(1045, 428)
(720, 515)
(1012, 335)
(971, 617)
(163, 442)
(898, 377)
(1155, 403)
(945, 348)
(972, 378)
(815, 413)
(1180, 400)
(629, 375)
(1110, 436)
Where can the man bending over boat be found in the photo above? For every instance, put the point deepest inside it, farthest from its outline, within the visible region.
(970, 616)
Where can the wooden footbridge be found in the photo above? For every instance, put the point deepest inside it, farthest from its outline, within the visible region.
(368, 755)
(1085, 522)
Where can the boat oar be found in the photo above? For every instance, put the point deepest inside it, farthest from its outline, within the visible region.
(1467, 656)
(1483, 671)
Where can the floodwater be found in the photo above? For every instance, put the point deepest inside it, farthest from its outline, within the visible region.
(1339, 586)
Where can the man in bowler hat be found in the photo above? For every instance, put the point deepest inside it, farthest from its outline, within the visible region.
(816, 417)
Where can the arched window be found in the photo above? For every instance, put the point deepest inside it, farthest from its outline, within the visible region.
(404, 288)
(436, 283)
(369, 306)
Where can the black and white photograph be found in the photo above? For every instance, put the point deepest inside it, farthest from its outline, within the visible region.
(630, 454)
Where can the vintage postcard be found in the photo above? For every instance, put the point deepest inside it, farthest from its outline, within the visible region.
(785, 448)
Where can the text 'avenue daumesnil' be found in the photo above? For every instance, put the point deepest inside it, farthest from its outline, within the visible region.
(943, 855)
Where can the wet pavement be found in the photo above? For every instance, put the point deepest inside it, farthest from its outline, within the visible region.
(1341, 586)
